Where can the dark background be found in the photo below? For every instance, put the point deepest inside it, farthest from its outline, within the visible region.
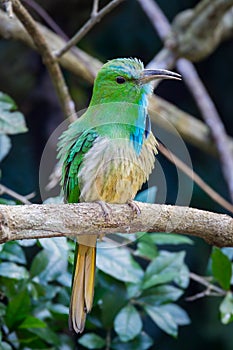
(125, 32)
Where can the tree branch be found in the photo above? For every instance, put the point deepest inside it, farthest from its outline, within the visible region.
(13, 194)
(85, 66)
(211, 117)
(37, 221)
(197, 179)
(96, 16)
(190, 128)
(191, 78)
(49, 60)
(8, 7)
(197, 32)
(80, 63)
(210, 290)
(46, 17)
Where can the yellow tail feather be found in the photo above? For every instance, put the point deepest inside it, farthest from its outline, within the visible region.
(83, 287)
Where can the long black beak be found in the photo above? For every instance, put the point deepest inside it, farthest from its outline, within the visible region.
(151, 74)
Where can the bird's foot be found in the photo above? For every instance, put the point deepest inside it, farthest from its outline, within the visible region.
(106, 209)
(135, 207)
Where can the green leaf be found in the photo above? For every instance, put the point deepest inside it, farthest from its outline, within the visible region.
(146, 247)
(13, 252)
(39, 263)
(17, 309)
(128, 323)
(57, 245)
(27, 242)
(50, 263)
(226, 309)
(2, 309)
(4, 98)
(12, 270)
(141, 342)
(160, 295)
(182, 279)
(31, 341)
(7, 201)
(11, 121)
(46, 334)
(5, 346)
(164, 268)
(169, 238)
(221, 267)
(92, 341)
(163, 319)
(32, 322)
(168, 317)
(134, 290)
(5, 146)
(119, 263)
(112, 298)
(179, 315)
(59, 309)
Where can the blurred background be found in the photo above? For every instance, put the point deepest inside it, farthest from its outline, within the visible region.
(125, 32)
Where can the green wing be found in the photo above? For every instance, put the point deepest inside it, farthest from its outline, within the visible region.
(72, 160)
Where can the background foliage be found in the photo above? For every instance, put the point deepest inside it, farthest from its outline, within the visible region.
(141, 289)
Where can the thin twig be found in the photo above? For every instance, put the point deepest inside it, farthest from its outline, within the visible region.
(30, 195)
(205, 293)
(81, 64)
(196, 178)
(211, 289)
(108, 340)
(200, 94)
(15, 195)
(48, 58)
(205, 282)
(211, 117)
(46, 17)
(8, 7)
(95, 18)
(95, 8)
(157, 17)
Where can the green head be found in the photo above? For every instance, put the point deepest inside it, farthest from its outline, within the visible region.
(125, 79)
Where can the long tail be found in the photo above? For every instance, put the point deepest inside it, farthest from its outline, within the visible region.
(83, 287)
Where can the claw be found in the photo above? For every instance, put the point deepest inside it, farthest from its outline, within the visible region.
(106, 209)
(135, 207)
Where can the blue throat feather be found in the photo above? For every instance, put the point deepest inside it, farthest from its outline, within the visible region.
(143, 124)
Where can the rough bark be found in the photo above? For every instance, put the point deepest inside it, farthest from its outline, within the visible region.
(37, 221)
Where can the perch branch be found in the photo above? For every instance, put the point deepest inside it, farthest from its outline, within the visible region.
(50, 220)
(96, 16)
(49, 60)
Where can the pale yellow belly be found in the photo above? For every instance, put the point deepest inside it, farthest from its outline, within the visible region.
(113, 172)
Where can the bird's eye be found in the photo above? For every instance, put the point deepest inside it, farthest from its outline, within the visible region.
(120, 80)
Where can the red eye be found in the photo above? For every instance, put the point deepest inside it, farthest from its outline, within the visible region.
(120, 80)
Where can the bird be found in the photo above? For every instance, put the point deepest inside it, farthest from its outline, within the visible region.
(107, 155)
